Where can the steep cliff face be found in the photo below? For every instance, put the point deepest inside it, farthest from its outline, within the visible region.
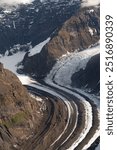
(78, 33)
(18, 111)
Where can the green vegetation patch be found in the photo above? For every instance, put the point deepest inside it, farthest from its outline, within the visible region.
(16, 119)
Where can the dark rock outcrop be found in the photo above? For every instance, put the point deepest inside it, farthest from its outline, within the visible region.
(90, 76)
(1, 67)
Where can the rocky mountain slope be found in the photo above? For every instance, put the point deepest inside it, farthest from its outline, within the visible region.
(78, 33)
(19, 113)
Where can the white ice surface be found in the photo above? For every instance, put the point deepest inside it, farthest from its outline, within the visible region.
(66, 66)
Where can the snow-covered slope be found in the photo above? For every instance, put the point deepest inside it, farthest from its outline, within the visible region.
(11, 63)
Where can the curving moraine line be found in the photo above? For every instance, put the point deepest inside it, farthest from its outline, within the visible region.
(72, 123)
(93, 133)
(84, 122)
(53, 123)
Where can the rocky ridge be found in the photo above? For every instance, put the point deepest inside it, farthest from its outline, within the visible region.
(19, 113)
(81, 31)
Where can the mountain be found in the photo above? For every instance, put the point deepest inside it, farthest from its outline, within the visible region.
(78, 33)
(19, 117)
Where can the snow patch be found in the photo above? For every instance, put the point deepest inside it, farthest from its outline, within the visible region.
(36, 97)
(25, 80)
(11, 62)
(38, 48)
(91, 10)
(90, 31)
